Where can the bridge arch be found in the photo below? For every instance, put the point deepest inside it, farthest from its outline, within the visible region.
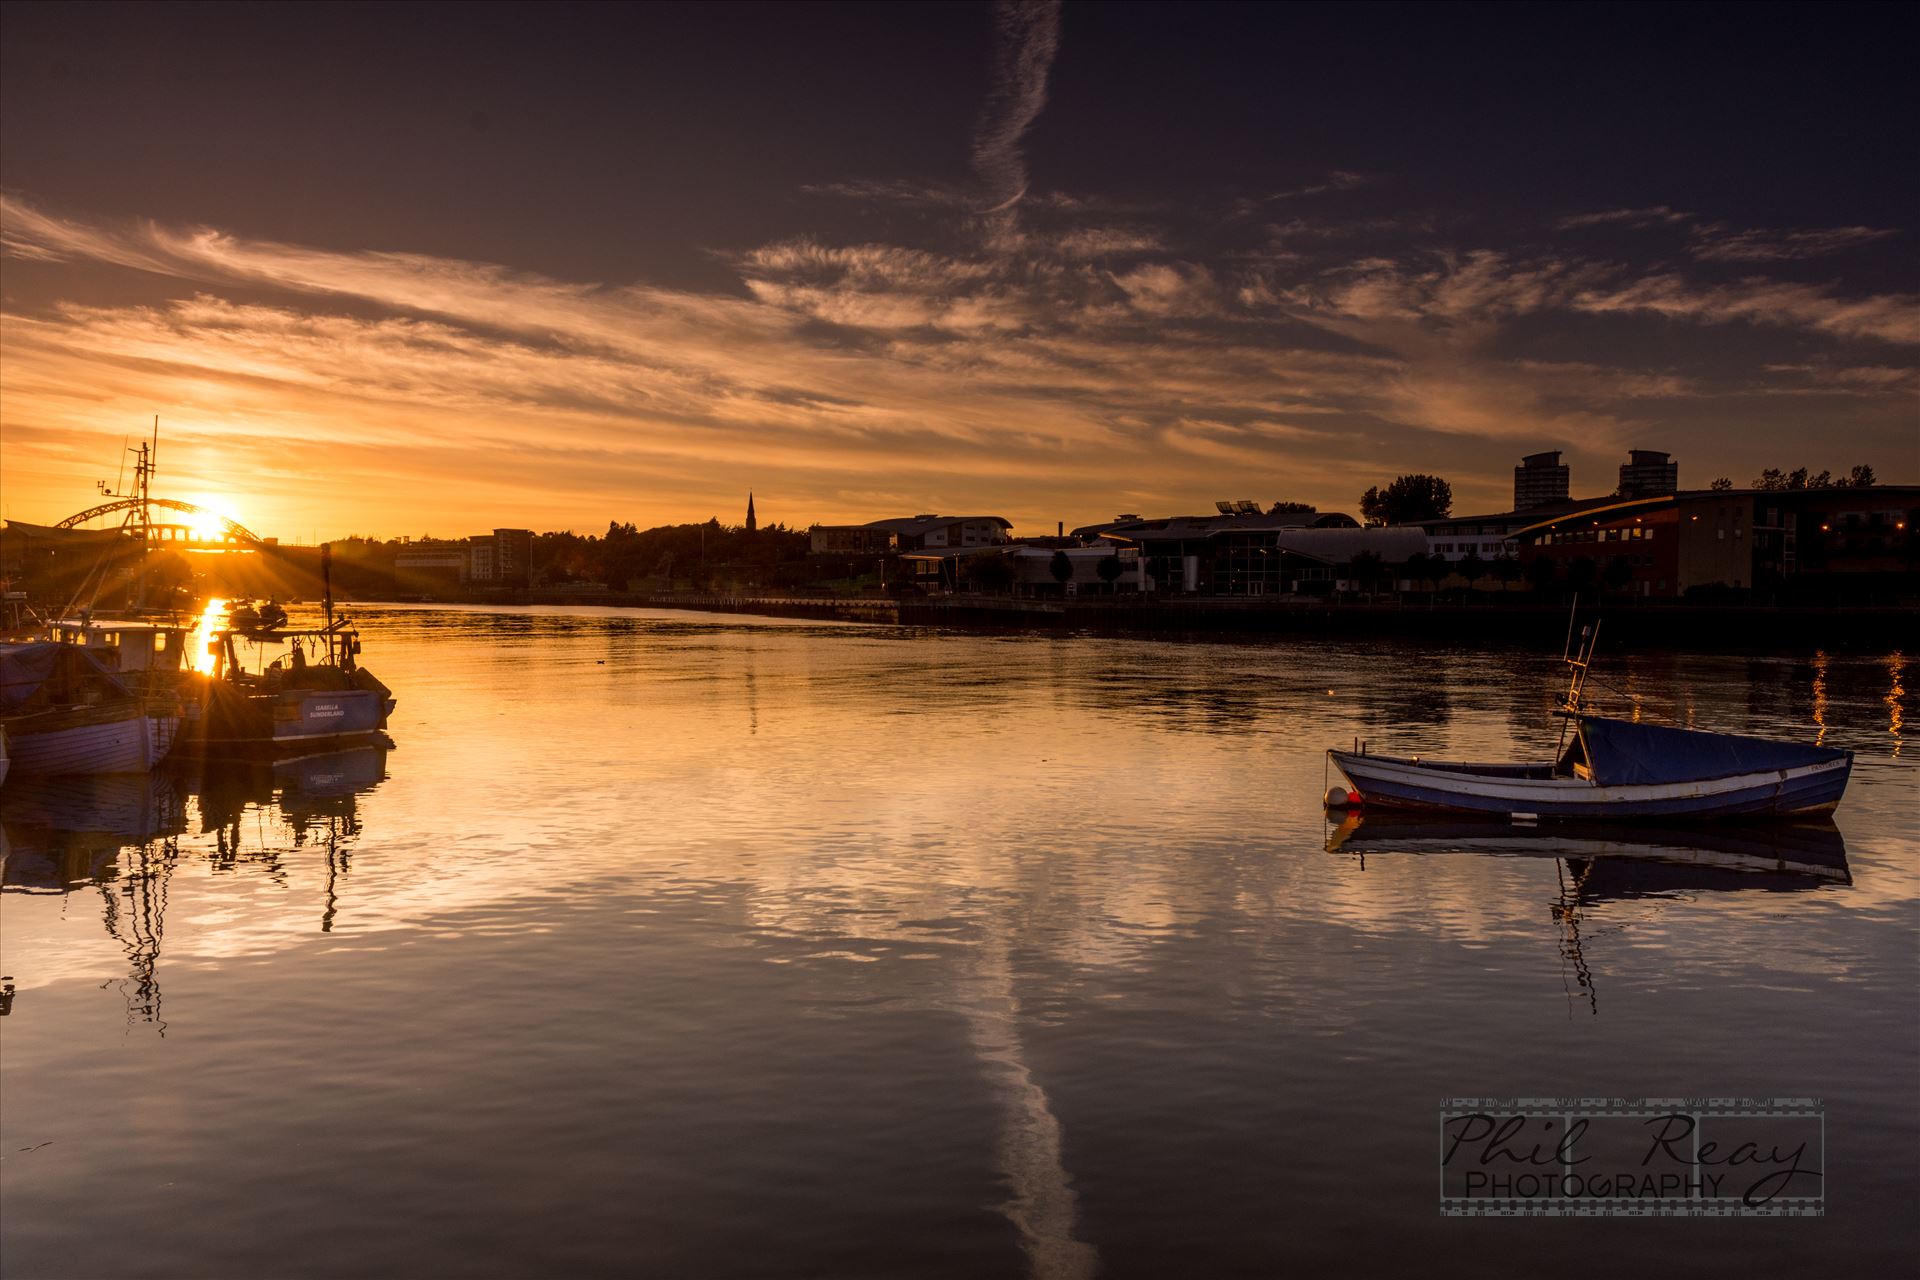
(232, 531)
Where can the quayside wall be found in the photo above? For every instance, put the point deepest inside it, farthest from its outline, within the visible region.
(1640, 624)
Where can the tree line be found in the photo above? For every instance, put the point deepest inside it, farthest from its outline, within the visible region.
(1861, 477)
(1418, 498)
(702, 555)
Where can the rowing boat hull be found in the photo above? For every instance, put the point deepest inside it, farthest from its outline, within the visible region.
(131, 743)
(1397, 783)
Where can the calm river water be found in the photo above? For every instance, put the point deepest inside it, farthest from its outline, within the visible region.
(678, 945)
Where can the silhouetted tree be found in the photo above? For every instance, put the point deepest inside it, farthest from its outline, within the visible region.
(1060, 567)
(902, 576)
(1292, 508)
(1157, 570)
(1109, 569)
(1771, 478)
(990, 571)
(1364, 569)
(1410, 499)
(1721, 485)
(1472, 568)
(1861, 477)
(1506, 569)
(1541, 571)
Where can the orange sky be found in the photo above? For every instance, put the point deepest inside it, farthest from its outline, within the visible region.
(322, 393)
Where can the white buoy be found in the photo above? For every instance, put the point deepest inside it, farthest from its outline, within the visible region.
(1337, 798)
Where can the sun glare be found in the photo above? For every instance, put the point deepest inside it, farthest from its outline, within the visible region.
(209, 524)
(211, 619)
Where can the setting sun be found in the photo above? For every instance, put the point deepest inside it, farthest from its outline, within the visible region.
(209, 523)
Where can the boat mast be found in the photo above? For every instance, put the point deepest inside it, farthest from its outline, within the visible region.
(138, 525)
(326, 595)
(1581, 661)
(143, 514)
(146, 455)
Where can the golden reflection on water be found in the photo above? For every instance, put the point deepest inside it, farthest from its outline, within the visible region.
(212, 618)
(1896, 701)
(1820, 663)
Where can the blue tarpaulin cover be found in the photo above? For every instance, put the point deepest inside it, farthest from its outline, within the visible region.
(1621, 752)
(25, 667)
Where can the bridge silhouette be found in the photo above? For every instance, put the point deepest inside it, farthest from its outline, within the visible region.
(232, 534)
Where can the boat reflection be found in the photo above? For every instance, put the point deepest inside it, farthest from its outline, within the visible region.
(1627, 861)
(121, 835)
(316, 799)
(1601, 865)
(60, 832)
(304, 790)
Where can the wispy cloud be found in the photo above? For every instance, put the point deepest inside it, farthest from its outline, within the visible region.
(1711, 241)
(920, 194)
(1828, 378)
(1714, 244)
(1891, 318)
(1652, 216)
(1039, 382)
(1338, 180)
(1027, 32)
(1486, 287)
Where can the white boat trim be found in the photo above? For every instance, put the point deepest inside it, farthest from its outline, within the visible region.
(1521, 795)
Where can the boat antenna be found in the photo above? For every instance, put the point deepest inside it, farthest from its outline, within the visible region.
(326, 581)
(1566, 650)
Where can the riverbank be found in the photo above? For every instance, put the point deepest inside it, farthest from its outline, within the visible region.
(1639, 623)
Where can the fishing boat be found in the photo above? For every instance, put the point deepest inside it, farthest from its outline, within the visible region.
(314, 696)
(64, 712)
(1611, 769)
(293, 703)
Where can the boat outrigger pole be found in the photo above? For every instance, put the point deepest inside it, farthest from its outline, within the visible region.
(1581, 660)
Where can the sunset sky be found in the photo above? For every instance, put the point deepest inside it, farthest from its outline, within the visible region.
(429, 269)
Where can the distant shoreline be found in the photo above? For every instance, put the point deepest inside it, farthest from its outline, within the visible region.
(1638, 623)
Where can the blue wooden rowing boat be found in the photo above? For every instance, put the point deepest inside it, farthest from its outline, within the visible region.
(1614, 769)
(1619, 770)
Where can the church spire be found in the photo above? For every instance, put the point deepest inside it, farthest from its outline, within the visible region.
(752, 523)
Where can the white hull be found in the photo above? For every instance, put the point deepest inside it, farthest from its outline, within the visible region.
(133, 745)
